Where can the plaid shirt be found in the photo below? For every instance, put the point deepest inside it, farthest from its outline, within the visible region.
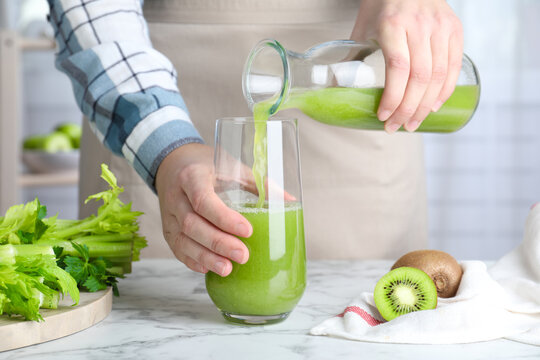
(126, 88)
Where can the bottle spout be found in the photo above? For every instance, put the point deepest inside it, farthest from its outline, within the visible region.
(266, 76)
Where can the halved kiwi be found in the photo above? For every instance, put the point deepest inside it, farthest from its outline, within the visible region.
(404, 290)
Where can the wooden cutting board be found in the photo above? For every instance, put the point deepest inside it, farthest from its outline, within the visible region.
(66, 320)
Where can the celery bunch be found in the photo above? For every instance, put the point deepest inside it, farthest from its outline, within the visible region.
(30, 279)
(42, 258)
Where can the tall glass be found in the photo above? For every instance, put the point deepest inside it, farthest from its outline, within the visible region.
(266, 288)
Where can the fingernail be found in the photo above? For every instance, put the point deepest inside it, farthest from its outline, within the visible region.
(534, 205)
(384, 115)
(242, 230)
(237, 256)
(392, 127)
(413, 125)
(437, 106)
(220, 268)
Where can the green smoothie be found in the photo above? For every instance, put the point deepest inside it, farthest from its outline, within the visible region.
(261, 113)
(274, 278)
(357, 108)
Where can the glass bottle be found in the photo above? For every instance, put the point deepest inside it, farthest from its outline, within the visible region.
(340, 83)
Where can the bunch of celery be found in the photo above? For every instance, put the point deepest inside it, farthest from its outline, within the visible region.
(41, 258)
(30, 279)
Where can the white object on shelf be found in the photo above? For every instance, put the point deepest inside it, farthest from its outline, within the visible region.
(45, 163)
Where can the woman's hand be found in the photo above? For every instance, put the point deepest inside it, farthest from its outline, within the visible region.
(197, 225)
(422, 43)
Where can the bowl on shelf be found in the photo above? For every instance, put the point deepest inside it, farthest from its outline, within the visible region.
(43, 162)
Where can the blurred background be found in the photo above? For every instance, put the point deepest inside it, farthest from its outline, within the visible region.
(482, 180)
(46, 101)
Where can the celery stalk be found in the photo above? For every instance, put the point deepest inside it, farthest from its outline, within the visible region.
(116, 269)
(121, 249)
(49, 301)
(104, 238)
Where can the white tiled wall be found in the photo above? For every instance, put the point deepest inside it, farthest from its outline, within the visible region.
(483, 179)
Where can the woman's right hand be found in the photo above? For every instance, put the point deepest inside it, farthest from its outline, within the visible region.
(199, 228)
(422, 43)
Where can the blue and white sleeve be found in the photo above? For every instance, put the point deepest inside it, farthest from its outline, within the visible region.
(126, 89)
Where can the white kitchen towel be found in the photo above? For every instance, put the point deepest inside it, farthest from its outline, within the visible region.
(500, 302)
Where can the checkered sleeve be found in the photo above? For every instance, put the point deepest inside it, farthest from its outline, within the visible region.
(126, 89)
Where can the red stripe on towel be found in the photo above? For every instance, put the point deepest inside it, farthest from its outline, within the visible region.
(362, 313)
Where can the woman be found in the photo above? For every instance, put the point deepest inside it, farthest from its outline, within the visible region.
(364, 192)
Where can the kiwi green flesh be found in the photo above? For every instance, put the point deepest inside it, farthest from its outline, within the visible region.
(404, 290)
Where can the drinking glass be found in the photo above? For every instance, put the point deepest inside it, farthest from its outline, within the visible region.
(268, 286)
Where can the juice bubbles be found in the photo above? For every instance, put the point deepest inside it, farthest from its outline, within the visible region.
(273, 280)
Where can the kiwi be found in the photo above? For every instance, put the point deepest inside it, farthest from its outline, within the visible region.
(404, 290)
(441, 267)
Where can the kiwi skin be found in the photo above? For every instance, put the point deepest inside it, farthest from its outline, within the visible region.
(441, 267)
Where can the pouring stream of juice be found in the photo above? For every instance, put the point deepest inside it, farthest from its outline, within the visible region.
(354, 108)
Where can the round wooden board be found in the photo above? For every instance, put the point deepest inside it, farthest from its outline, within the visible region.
(93, 307)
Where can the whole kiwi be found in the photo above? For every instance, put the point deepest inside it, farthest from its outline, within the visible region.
(441, 267)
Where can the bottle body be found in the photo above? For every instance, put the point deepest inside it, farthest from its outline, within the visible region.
(357, 108)
(340, 83)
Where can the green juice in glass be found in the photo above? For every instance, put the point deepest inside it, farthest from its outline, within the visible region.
(274, 278)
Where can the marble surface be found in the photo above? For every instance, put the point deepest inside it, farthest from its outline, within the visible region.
(164, 312)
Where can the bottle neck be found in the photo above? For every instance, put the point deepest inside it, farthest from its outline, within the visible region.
(267, 75)
(271, 71)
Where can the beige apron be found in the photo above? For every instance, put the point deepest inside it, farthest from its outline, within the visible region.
(364, 192)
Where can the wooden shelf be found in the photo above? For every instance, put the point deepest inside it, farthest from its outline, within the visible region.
(53, 179)
(36, 44)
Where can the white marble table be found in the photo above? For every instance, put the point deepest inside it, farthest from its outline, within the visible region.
(164, 313)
